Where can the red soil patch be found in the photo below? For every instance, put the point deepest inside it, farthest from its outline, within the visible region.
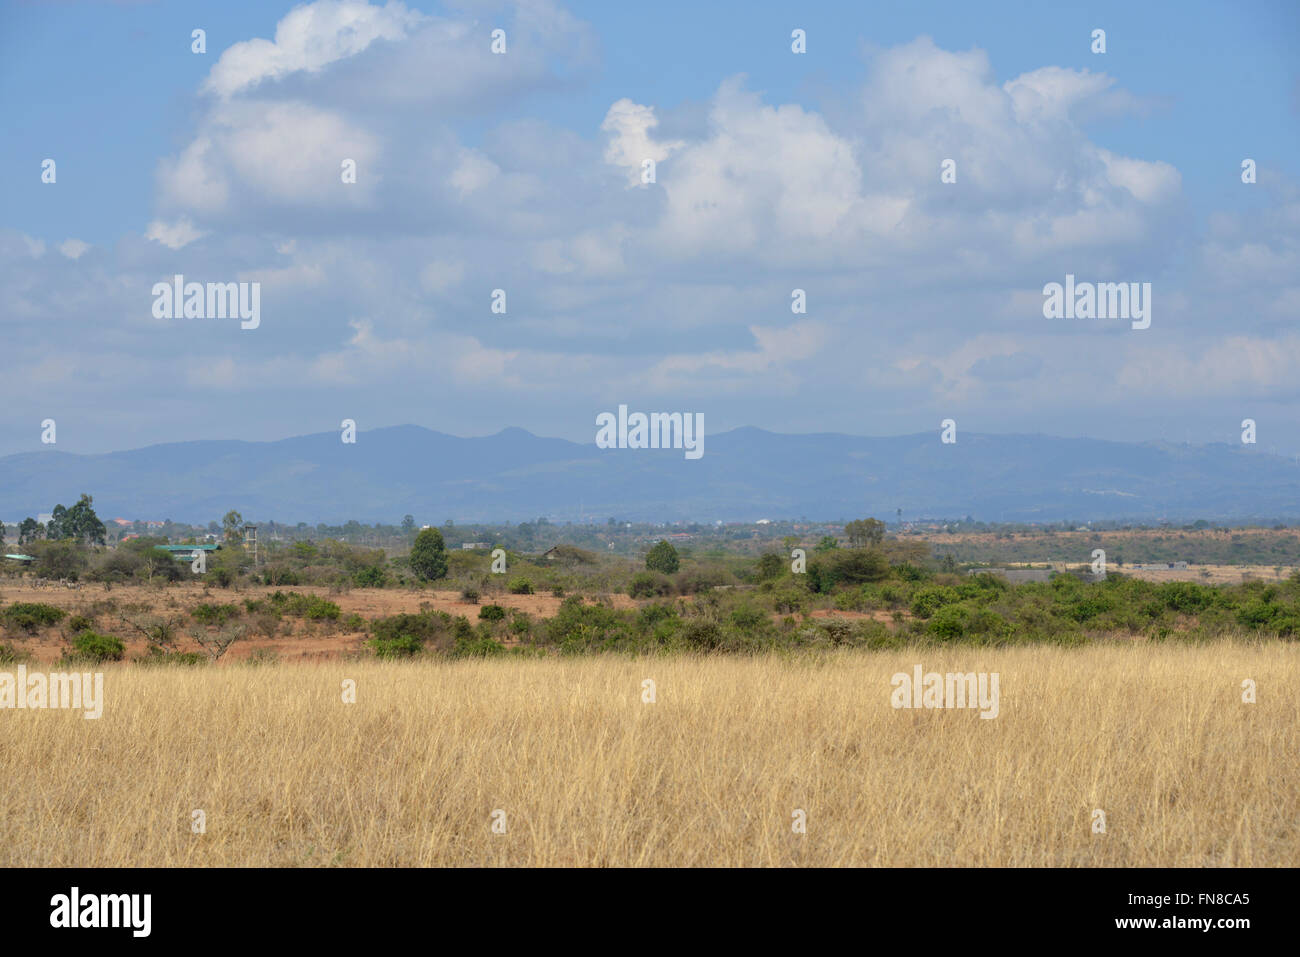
(307, 640)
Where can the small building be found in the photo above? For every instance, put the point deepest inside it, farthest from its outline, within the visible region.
(470, 546)
(22, 559)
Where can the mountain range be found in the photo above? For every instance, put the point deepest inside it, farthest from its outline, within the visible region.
(745, 474)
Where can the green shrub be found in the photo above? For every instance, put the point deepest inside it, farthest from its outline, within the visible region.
(90, 646)
(649, 585)
(491, 613)
(403, 646)
(470, 595)
(30, 615)
(478, 646)
(208, 614)
(748, 618)
(520, 586)
(185, 659)
(930, 599)
(79, 623)
(702, 633)
(372, 577)
(770, 565)
(311, 607)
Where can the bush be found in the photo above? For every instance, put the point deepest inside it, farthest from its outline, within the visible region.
(470, 595)
(770, 566)
(311, 607)
(649, 585)
(693, 581)
(280, 575)
(491, 613)
(265, 622)
(748, 618)
(402, 646)
(372, 577)
(790, 600)
(520, 586)
(158, 656)
(702, 633)
(478, 646)
(929, 600)
(79, 623)
(31, 615)
(209, 614)
(852, 566)
(90, 646)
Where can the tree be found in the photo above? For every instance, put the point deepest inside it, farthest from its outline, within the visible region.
(408, 524)
(82, 524)
(232, 527)
(29, 530)
(827, 543)
(770, 565)
(54, 527)
(662, 558)
(864, 532)
(429, 555)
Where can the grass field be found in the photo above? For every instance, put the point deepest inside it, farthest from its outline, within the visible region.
(1154, 735)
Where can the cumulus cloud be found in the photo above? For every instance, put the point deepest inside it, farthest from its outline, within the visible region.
(920, 292)
(309, 38)
(175, 235)
(629, 144)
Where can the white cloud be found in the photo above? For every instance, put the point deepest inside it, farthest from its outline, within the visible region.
(309, 38)
(629, 145)
(73, 248)
(175, 235)
(473, 172)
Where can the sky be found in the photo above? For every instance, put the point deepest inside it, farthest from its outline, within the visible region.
(522, 171)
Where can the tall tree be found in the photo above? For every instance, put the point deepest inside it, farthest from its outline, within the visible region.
(662, 558)
(82, 524)
(54, 529)
(429, 555)
(865, 531)
(29, 530)
(232, 527)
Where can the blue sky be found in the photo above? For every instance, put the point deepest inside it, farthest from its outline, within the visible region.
(776, 171)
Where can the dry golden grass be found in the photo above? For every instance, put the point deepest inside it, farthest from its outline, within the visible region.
(287, 774)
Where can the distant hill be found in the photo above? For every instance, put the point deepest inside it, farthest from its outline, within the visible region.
(745, 474)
